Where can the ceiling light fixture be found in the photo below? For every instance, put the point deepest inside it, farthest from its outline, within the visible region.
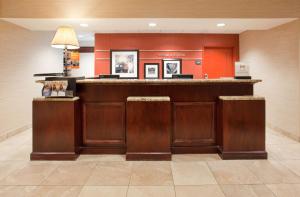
(152, 24)
(84, 25)
(221, 25)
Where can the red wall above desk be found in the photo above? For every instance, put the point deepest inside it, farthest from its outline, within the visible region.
(170, 42)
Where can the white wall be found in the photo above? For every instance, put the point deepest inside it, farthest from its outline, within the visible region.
(22, 53)
(274, 57)
(86, 66)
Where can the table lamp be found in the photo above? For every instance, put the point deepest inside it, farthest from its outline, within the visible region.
(65, 38)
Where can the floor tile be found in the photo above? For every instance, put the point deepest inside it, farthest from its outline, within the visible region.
(101, 158)
(151, 191)
(111, 173)
(272, 172)
(14, 191)
(246, 191)
(192, 173)
(103, 191)
(285, 190)
(195, 157)
(70, 174)
(31, 174)
(151, 174)
(204, 190)
(7, 167)
(272, 138)
(293, 165)
(55, 191)
(285, 151)
(20, 154)
(232, 172)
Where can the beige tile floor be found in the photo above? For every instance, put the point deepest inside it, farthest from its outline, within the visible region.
(186, 176)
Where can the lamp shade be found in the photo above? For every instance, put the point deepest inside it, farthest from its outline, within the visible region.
(65, 37)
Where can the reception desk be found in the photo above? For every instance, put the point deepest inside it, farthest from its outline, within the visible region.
(196, 116)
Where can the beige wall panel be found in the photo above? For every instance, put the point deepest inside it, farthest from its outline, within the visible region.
(274, 57)
(22, 53)
(149, 8)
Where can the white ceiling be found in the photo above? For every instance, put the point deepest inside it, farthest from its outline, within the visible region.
(164, 25)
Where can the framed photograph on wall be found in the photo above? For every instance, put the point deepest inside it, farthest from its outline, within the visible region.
(171, 67)
(151, 71)
(124, 63)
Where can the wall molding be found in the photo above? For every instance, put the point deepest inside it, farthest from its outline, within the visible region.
(283, 132)
(13, 132)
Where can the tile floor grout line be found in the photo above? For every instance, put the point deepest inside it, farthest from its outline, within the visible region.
(131, 170)
(211, 171)
(174, 189)
(270, 189)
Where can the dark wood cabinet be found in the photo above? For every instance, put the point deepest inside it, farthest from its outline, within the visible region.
(148, 126)
(193, 127)
(242, 127)
(56, 129)
(195, 120)
(104, 125)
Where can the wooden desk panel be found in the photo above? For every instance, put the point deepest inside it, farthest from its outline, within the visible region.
(104, 125)
(56, 129)
(148, 126)
(242, 129)
(194, 106)
(193, 123)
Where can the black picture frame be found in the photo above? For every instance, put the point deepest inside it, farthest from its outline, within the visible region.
(136, 51)
(145, 73)
(164, 69)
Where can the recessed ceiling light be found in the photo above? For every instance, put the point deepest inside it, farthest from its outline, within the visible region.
(84, 25)
(152, 24)
(221, 24)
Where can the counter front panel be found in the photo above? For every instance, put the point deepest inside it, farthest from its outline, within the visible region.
(194, 106)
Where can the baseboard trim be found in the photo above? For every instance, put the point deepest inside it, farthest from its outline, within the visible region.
(283, 132)
(148, 156)
(237, 155)
(53, 156)
(13, 132)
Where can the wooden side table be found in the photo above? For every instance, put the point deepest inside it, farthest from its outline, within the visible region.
(241, 132)
(56, 128)
(148, 128)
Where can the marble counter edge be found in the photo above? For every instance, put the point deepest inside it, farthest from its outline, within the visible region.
(165, 81)
(148, 98)
(55, 99)
(247, 97)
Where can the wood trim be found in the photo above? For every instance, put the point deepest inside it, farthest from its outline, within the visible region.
(102, 150)
(243, 155)
(194, 149)
(149, 156)
(159, 50)
(53, 156)
(99, 58)
(86, 50)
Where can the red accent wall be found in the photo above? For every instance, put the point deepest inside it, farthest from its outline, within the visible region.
(163, 42)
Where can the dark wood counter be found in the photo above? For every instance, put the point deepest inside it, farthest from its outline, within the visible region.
(196, 113)
(194, 106)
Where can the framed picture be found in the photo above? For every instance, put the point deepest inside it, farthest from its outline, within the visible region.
(124, 63)
(151, 71)
(171, 67)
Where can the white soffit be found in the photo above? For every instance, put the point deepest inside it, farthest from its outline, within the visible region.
(164, 25)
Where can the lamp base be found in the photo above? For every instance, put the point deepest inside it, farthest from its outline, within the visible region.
(66, 71)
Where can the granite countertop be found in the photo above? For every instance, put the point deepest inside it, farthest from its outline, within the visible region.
(55, 99)
(250, 97)
(148, 98)
(166, 81)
